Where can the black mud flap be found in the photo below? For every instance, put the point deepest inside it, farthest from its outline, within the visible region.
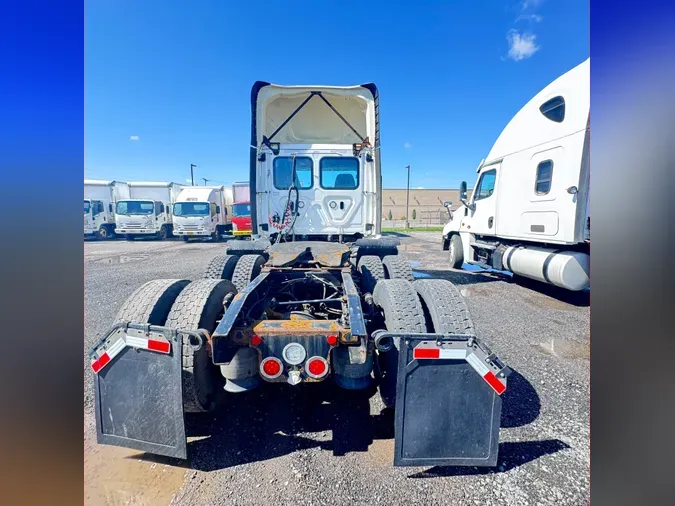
(138, 389)
(448, 401)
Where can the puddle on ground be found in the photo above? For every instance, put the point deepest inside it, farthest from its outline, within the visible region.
(477, 268)
(123, 259)
(116, 475)
(420, 275)
(565, 349)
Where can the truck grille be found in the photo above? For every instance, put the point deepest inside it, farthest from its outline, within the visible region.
(191, 227)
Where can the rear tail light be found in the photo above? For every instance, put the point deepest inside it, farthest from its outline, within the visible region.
(271, 368)
(316, 367)
(332, 340)
(256, 340)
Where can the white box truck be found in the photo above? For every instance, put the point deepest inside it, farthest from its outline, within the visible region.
(203, 211)
(147, 211)
(99, 206)
(529, 211)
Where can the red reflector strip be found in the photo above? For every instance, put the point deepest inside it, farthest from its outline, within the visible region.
(100, 363)
(161, 346)
(426, 353)
(494, 382)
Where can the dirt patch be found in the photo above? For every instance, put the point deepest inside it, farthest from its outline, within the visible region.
(117, 476)
(565, 349)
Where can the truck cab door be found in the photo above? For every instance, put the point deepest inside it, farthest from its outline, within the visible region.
(480, 217)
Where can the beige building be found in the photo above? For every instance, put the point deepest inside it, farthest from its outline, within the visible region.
(425, 208)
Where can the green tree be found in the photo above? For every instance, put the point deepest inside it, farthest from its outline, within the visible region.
(414, 214)
(389, 216)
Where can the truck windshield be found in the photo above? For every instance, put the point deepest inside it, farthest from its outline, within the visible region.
(134, 207)
(241, 210)
(191, 209)
(87, 206)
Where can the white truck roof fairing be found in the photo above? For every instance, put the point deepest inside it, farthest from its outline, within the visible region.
(315, 122)
(529, 127)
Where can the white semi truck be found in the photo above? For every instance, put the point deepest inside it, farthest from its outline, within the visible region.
(203, 211)
(317, 296)
(147, 211)
(99, 206)
(529, 212)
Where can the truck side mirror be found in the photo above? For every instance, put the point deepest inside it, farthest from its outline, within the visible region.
(110, 207)
(462, 191)
(217, 209)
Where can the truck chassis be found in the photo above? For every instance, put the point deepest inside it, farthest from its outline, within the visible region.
(299, 313)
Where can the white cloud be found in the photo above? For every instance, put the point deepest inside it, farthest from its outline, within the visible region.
(521, 46)
(134, 138)
(534, 18)
(407, 145)
(188, 181)
(530, 3)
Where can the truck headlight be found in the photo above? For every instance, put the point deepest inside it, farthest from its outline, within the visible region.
(234, 227)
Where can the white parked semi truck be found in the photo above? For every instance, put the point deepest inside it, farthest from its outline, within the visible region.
(317, 296)
(147, 211)
(203, 211)
(530, 208)
(99, 206)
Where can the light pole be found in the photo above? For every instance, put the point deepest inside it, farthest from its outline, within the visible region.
(407, 199)
(192, 174)
(205, 180)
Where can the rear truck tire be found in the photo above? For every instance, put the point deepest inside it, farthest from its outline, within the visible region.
(403, 312)
(129, 237)
(217, 236)
(398, 267)
(247, 268)
(456, 251)
(444, 307)
(200, 306)
(151, 302)
(221, 267)
(371, 270)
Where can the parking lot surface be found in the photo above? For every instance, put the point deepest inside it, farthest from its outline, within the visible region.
(274, 447)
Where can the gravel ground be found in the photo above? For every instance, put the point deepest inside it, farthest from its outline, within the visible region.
(277, 447)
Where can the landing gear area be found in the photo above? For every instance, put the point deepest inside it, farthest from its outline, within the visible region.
(310, 316)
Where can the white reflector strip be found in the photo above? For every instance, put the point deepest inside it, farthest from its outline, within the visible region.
(453, 354)
(115, 348)
(136, 342)
(476, 363)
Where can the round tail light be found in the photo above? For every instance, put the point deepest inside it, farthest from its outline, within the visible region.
(256, 340)
(332, 340)
(316, 367)
(271, 368)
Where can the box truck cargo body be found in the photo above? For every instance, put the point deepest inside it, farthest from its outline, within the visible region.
(203, 211)
(99, 206)
(147, 211)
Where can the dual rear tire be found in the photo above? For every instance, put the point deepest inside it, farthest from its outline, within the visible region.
(425, 305)
(181, 304)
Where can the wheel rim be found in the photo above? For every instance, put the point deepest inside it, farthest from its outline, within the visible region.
(103, 232)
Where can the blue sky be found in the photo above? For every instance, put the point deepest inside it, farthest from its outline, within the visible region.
(168, 81)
